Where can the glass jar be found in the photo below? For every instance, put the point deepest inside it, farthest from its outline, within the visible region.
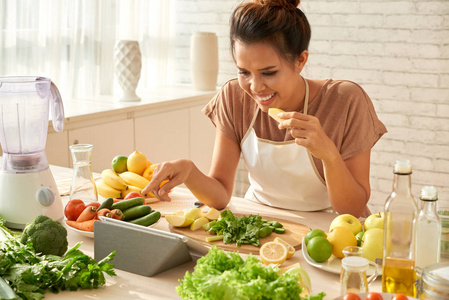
(83, 185)
(353, 275)
(434, 283)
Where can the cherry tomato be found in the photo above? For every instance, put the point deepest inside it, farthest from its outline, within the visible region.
(73, 209)
(133, 195)
(399, 297)
(351, 296)
(374, 296)
(94, 203)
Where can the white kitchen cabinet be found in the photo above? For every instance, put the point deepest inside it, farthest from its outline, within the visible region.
(109, 139)
(163, 136)
(202, 137)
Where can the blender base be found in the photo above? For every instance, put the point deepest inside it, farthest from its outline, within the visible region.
(23, 197)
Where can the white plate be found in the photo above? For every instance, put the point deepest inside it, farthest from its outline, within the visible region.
(91, 234)
(333, 264)
(385, 296)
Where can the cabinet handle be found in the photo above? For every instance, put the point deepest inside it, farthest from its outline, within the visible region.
(76, 142)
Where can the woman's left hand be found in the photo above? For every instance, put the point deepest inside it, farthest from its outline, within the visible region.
(308, 132)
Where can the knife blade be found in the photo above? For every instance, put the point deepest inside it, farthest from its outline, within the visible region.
(196, 204)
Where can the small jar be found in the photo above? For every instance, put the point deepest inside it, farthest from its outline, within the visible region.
(353, 275)
(434, 282)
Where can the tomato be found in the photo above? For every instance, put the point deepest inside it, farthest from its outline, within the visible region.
(351, 296)
(399, 297)
(133, 195)
(94, 203)
(73, 209)
(374, 296)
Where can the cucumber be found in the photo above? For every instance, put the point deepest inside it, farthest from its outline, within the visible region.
(125, 204)
(148, 220)
(136, 212)
(106, 204)
(279, 230)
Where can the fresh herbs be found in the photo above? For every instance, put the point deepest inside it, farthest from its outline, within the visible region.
(242, 230)
(218, 275)
(30, 275)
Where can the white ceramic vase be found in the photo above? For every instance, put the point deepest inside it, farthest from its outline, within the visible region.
(204, 60)
(127, 68)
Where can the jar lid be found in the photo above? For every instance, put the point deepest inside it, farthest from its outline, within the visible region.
(436, 276)
(355, 263)
(403, 167)
(429, 193)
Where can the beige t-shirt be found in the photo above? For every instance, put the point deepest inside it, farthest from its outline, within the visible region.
(345, 111)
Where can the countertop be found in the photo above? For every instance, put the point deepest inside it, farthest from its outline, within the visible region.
(162, 286)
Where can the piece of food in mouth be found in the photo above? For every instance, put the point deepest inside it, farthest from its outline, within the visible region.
(273, 112)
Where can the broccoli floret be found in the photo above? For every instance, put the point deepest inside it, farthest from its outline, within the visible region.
(47, 235)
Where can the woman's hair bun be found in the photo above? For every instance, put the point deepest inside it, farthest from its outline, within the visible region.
(287, 4)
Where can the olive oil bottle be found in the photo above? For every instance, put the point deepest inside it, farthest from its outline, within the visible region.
(401, 211)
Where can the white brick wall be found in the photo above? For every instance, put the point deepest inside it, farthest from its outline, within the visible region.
(398, 51)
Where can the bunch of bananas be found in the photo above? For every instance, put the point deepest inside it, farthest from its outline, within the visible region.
(135, 174)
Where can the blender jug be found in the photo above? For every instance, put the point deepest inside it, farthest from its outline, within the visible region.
(26, 183)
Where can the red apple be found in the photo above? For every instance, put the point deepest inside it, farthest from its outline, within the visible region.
(133, 195)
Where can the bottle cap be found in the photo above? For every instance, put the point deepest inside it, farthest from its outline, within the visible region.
(429, 193)
(355, 263)
(403, 167)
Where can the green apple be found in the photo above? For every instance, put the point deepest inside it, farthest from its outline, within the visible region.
(359, 237)
(372, 243)
(374, 221)
(347, 221)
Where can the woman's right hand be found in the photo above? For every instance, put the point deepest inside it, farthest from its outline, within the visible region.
(176, 172)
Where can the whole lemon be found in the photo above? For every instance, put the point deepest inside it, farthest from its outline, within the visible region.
(137, 162)
(319, 249)
(341, 237)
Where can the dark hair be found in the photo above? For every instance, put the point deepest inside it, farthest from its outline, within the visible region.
(277, 22)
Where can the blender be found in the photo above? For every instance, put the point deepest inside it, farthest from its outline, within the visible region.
(27, 186)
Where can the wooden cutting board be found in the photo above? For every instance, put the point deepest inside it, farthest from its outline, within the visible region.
(294, 232)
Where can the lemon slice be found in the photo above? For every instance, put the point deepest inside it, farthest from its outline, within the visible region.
(290, 249)
(273, 112)
(273, 253)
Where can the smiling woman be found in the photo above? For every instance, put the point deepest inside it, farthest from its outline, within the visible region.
(72, 41)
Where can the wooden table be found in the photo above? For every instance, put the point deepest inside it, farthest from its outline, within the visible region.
(162, 286)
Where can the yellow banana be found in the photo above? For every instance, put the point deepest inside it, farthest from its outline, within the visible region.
(134, 179)
(131, 188)
(106, 190)
(111, 178)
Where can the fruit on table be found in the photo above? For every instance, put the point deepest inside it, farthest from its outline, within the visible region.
(137, 162)
(132, 195)
(111, 178)
(134, 179)
(348, 221)
(178, 221)
(212, 214)
(359, 237)
(341, 237)
(351, 296)
(273, 253)
(148, 173)
(198, 223)
(372, 243)
(273, 112)
(193, 213)
(290, 249)
(313, 233)
(374, 296)
(319, 248)
(374, 221)
(107, 191)
(73, 209)
(119, 164)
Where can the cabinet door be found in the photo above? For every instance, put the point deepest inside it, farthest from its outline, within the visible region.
(163, 136)
(109, 140)
(57, 149)
(202, 137)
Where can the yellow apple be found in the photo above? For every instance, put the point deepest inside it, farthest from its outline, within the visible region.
(348, 221)
(372, 243)
(374, 221)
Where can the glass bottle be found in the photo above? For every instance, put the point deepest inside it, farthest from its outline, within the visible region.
(83, 185)
(401, 211)
(428, 229)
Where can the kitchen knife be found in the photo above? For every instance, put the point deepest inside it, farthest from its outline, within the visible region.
(196, 204)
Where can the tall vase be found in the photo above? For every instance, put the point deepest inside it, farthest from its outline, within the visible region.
(127, 68)
(204, 60)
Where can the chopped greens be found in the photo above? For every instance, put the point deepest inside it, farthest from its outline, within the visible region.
(30, 275)
(218, 275)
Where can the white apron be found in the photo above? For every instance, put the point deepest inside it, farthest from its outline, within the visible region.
(283, 174)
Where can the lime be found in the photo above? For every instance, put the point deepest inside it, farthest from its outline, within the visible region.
(119, 164)
(319, 249)
(313, 233)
